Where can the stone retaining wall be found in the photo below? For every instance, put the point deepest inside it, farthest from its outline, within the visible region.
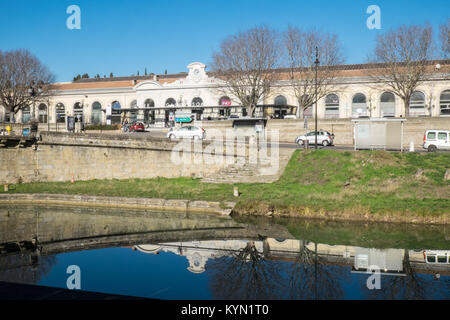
(60, 156)
(120, 202)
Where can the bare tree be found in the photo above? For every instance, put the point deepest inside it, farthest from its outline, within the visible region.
(246, 63)
(19, 70)
(444, 37)
(300, 56)
(403, 55)
(245, 274)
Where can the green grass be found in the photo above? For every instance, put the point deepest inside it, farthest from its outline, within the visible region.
(317, 181)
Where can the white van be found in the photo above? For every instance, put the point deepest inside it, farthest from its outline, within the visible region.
(436, 140)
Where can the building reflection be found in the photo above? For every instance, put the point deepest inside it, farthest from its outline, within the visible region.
(273, 268)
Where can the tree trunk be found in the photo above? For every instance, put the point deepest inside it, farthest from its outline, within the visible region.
(406, 103)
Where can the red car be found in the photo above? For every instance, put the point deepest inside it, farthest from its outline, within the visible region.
(137, 127)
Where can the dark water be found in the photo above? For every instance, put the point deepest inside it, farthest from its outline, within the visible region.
(195, 256)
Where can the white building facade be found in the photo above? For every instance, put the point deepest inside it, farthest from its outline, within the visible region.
(156, 99)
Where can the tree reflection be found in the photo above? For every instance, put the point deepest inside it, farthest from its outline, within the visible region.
(26, 267)
(411, 286)
(245, 275)
(311, 277)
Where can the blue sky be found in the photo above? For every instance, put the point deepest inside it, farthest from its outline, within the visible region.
(126, 36)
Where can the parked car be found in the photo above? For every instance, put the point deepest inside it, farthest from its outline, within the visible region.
(187, 132)
(436, 139)
(324, 138)
(290, 116)
(137, 126)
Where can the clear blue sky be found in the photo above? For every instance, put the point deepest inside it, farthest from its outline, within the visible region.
(125, 36)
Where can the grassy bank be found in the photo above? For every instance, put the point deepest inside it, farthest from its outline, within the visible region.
(365, 185)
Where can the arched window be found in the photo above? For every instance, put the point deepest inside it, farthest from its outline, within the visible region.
(387, 105)
(42, 113)
(197, 102)
(116, 112)
(225, 101)
(359, 105)
(171, 102)
(332, 106)
(445, 103)
(60, 113)
(26, 115)
(417, 104)
(78, 112)
(133, 113)
(280, 101)
(149, 103)
(96, 115)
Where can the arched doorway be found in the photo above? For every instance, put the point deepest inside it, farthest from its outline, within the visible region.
(149, 115)
(78, 112)
(96, 115)
(43, 113)
(171, 104)
(225, 104)
(116, 112)
(26, 114)
(132, 117)
(280, 103)
(60, 113)
(197, 108)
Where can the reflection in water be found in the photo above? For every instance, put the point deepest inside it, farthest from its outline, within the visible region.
(218, 257)
(298, 269)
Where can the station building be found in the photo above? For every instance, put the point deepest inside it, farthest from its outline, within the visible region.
(154, 99)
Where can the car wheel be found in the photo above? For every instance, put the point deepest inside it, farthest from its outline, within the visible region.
(172, 137)
(325, 143)
(432, 148)
(300, 142)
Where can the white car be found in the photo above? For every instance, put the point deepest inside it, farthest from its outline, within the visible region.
(323, 137)
(187, 132)
(436, 139)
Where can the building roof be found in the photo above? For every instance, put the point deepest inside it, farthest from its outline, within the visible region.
(343, 71)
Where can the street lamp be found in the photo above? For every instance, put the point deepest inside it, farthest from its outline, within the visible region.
(316, 65)
(33, 91)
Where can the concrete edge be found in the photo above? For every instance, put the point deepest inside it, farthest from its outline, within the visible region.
(120, 202)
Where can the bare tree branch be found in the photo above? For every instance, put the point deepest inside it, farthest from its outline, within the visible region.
(19, 70)
(300, 57)
(246, 64)
(402, 55)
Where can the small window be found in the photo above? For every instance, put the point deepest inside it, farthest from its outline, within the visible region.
(442, 259)
(431, 259)
(442, 136)
(431, 136)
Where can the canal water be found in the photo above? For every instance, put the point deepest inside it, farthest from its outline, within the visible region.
(171, 256)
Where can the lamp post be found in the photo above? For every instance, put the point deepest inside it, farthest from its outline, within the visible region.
(33, 91)
(316, 65)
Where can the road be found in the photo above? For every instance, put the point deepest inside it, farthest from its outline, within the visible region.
(161, 133)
